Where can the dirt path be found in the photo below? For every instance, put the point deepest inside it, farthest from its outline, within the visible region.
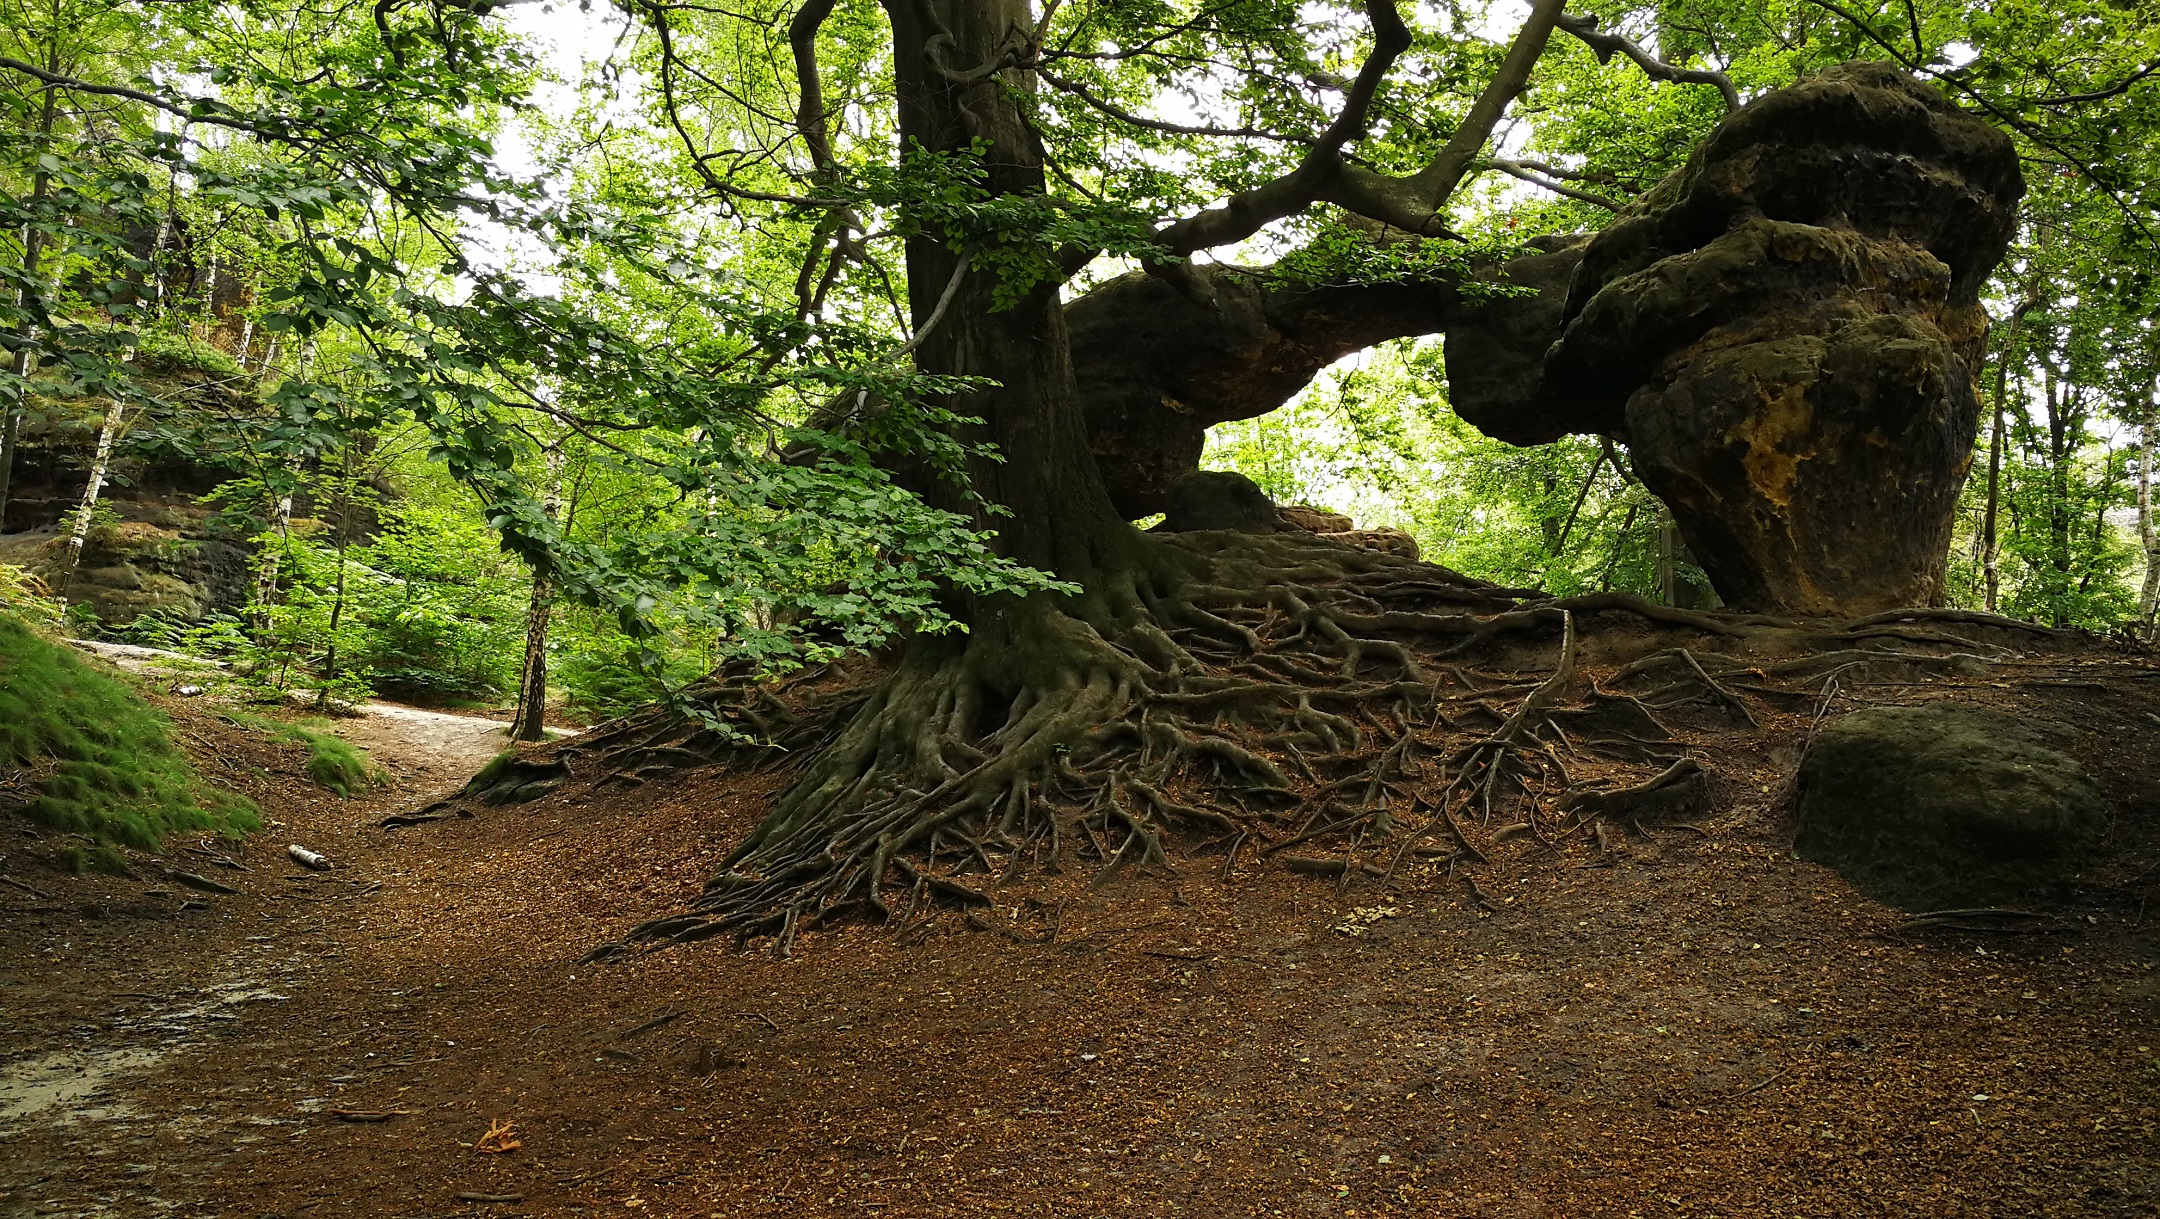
(425, 746)
(1705, 1026)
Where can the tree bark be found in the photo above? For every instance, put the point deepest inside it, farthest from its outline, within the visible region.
(25, 362)
(1990, 542)
(1061, 516)
(530, 724)
(99, 465)
(2148, 533)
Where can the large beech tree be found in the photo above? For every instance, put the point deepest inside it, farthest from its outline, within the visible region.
(1162, 688)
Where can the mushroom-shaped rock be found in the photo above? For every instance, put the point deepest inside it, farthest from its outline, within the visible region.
(1787, 332)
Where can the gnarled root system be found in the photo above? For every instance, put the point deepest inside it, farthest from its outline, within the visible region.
(1234, 695)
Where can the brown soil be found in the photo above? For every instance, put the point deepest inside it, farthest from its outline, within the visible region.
(1695, 1023)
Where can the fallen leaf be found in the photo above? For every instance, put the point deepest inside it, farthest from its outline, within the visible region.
(500, 1137)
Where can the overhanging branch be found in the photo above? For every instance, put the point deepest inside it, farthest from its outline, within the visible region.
(1605, 46)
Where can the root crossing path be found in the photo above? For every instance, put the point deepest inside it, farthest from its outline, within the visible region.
(1672, 1022)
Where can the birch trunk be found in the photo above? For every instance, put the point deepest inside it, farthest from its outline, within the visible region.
(99, 466)
(267, 571)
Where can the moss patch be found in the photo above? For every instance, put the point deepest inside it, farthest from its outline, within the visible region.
(1925, 807)
(333, 762)
(104, 760)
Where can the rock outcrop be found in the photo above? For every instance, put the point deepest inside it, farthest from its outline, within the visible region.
(157, 548)
(1156, 367)
(1787, 331)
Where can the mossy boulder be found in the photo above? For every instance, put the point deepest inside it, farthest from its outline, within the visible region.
(1944, 805)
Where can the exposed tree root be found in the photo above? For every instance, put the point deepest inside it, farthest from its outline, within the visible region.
(1234, 695)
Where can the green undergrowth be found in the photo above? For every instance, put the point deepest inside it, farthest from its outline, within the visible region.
(333, 762)
(102, 758)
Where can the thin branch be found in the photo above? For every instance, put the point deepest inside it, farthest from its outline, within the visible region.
(198, 110)
(937, 313)
(1123, 115)
(2121, 86)
(1524, 170)
(1604, 46)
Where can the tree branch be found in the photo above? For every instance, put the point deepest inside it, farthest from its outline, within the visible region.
(1412, 203)
(2121, 86)
(810, 112)
(198, 110)
(1248, 212)
(1531, 174)
(1127, 117)
(1604, 46)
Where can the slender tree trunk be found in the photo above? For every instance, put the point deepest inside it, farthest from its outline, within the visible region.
(337, 602)
(2148, 535)
(2058, 514)
(1668, 571)
(266, 575)
(157, 259)
(25, 362)
(99, 466)
(531, 721)
(1627, 525)
(1990, 543)
(209, 304)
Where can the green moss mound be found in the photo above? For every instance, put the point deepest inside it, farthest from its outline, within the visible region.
(1926, 807)
(333, 761)
(105, 760)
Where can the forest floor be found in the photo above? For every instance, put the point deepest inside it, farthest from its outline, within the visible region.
(1694, 1024)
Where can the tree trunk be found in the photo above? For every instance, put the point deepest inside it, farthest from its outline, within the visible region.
(266, 575)
(99, 465)
(530, 723)
(2058, 506)
(25, 362)
(1062, 520)
(2148, 534)
(1990, 541)
(337, 601)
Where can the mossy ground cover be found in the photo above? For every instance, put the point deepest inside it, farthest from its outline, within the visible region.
(103, 758)
(333, 762)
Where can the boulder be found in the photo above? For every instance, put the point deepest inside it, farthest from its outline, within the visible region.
(1316, 520)
(1219, 499)
(1946, 805)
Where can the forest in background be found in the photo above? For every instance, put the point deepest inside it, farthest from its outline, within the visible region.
(464, 419)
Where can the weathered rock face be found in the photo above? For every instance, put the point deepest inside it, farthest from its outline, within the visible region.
(1943, 805)
(1496, 354)
(1787, 331)
(162, 554)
